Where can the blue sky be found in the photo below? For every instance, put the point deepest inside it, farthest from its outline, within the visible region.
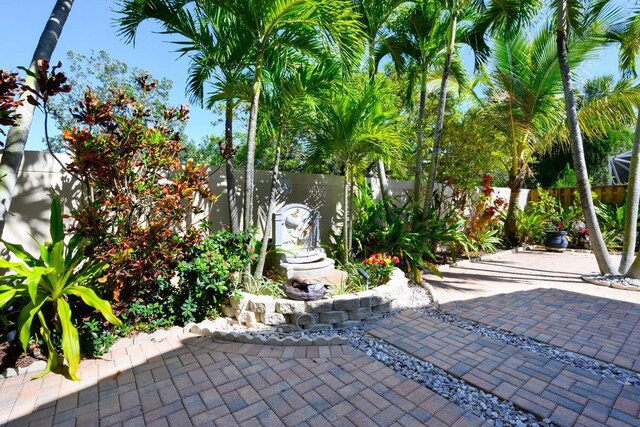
(90, 26)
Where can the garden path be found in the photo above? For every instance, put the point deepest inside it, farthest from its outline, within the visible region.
(541, 295)
(547, 388)
(189, 380)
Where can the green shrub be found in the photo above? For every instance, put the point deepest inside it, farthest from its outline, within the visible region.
(59, 274)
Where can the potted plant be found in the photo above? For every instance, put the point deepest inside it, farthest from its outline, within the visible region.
(556, 237)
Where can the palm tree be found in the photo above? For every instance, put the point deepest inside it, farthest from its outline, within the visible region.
(291, 98)
(414, 44)
(355, 127)
(493, 16)
(219, 55)
(526, 88)
(375, 15)
(307, 26)
(571, 15)
(629, 39)
(18, 134)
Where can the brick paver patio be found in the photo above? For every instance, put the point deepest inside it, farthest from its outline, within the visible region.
(550, 389)
(541, 295)
(188, 380)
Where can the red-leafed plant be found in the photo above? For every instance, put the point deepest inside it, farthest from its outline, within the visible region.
(139, 201)
(10, 89)
(483, 223)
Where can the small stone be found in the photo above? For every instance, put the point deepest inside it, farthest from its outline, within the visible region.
(37, 366)
(206, 332)
(228, 311)
(333, 316)
(366, 298)
(287, 329)
(289, 306)
(346, 302)
(319, 306)
(240, 302)
(219, 334)
(318, 327)
(220, 324)
(247, 317)
(347, 324)
(262, 304)
(272, 318)
(360, 314)
(382, 308)
(10, 372)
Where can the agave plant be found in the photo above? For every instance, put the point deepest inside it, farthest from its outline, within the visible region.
(60, 271)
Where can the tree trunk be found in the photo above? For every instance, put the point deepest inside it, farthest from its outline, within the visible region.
(345, 219)
(228, 154)
(251, 148)
(382, 173)
(272, 207)
(577, 152)
(510, 225)
(18, 134)
(631, 213)
(417, 186)
(351, 210)
(440, 117)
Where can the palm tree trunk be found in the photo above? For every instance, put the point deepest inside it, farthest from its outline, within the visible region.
(18, 135)
(631, 214)
(382, 173)
(577, 152)
(417, 186)
(345, 219)
(510, 225)
(251, 148)
(229, 152)
(272, 207)
(440, 117)
(351, 210)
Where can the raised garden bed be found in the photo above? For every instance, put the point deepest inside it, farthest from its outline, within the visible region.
(260, 311)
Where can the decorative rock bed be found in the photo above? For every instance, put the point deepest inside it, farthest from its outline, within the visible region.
(260, 311)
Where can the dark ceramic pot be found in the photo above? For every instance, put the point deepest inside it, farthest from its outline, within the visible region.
(556, 241)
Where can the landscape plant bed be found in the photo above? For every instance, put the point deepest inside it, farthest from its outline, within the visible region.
(263, 312)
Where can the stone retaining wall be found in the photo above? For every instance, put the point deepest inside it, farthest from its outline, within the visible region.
(256, 311)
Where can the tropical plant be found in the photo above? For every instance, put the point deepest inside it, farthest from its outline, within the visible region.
(208, 276)
(101, 72)
(415, 45)
(17, 136)
(292, 94)
(628, 36)
(482, 17)
(139, 201)
(571, 18)
(59, 273)
(611, 219)
(10, 89)
(308, 27)
(219, 57)
(375, 17)
(355, 127)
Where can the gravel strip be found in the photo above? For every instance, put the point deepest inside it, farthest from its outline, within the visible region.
(603, 369)
(613, 281)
